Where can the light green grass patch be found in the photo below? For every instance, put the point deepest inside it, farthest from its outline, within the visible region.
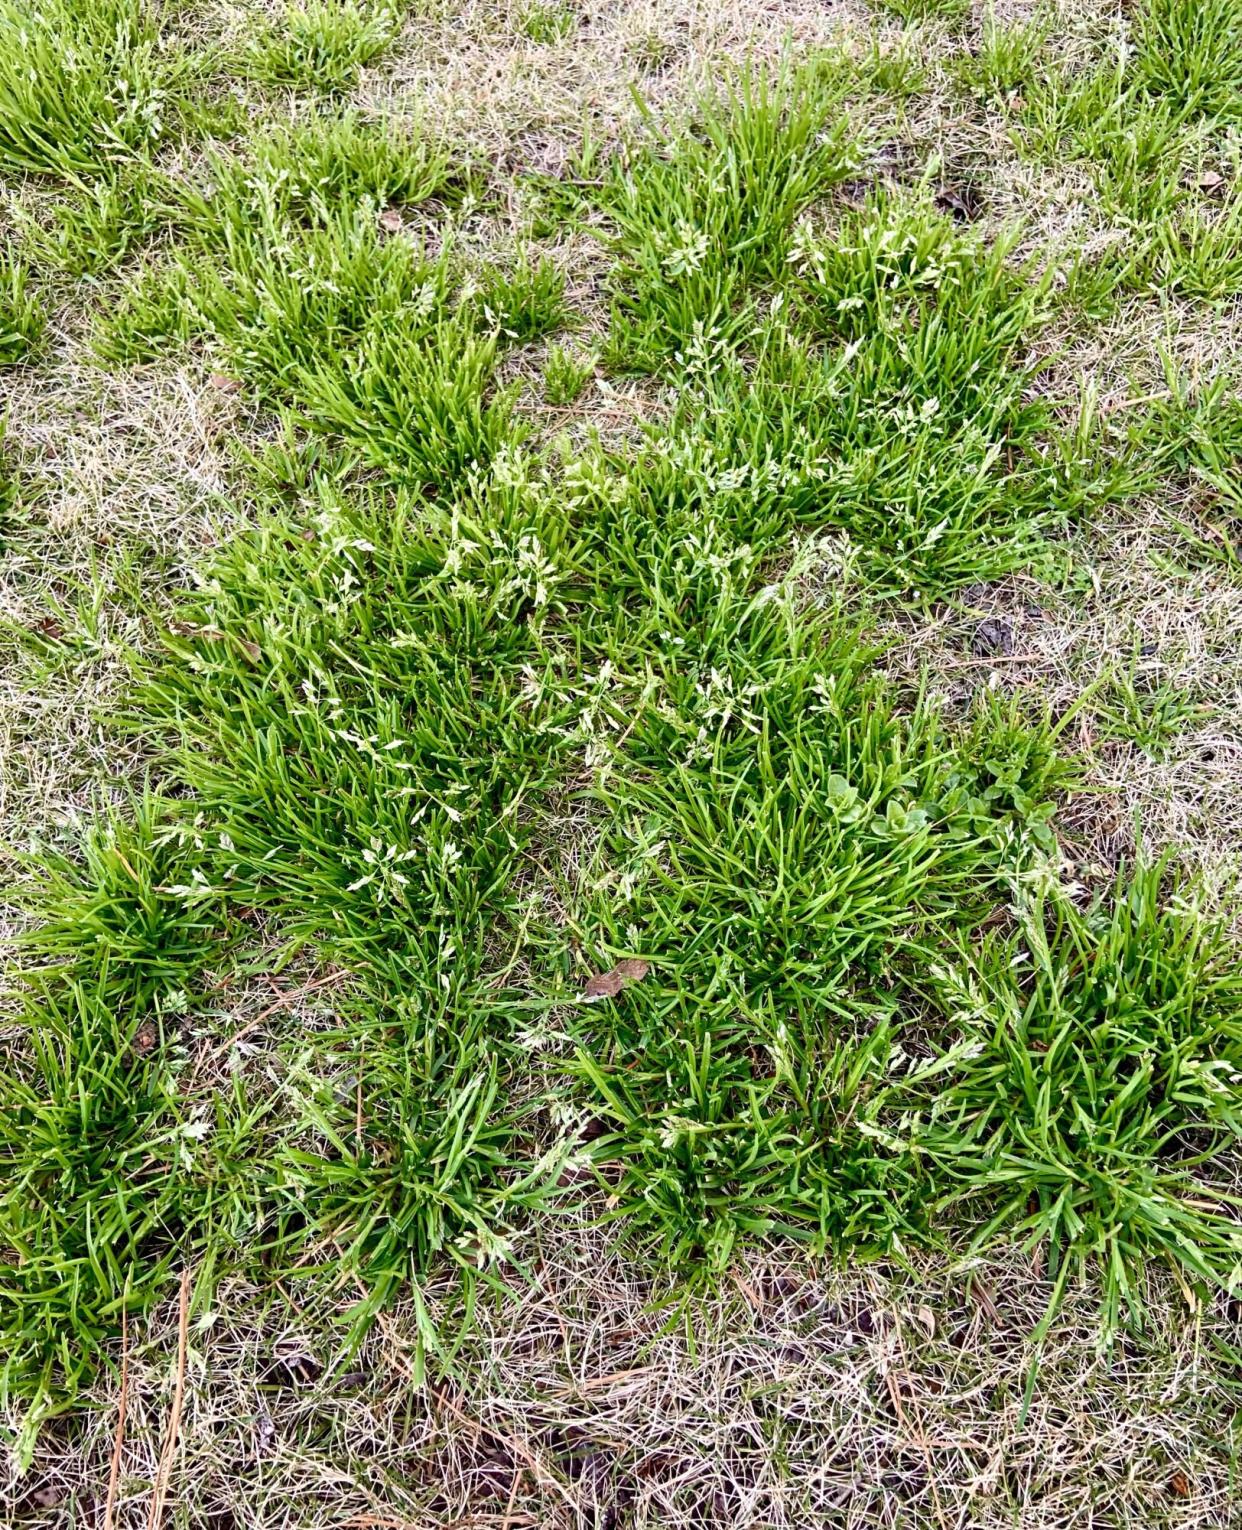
(467, 711)
(22, 316)
(319, 45)
(84, 85)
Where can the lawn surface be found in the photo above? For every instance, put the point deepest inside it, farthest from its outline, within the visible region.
(620, 759)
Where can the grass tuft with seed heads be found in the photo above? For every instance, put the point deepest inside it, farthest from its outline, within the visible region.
(537, 803)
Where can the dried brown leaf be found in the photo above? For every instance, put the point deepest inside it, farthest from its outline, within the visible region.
(633, 969)
(607, 985)
(604, 985)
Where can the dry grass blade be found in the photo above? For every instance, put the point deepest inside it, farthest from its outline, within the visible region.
(159, 1492)
(114, 1472)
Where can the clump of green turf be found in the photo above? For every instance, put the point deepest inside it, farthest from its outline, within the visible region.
(701, 214)
(319, 45)
(1189, 54)
(785, 842)
(22, 317)
(1097, 1058)
(84, 85)
(1153, 118)
(850, 1020)
(892, 397)
(90, 229)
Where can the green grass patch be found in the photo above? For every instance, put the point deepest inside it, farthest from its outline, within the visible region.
(84, 85)
(319, 46)
(704, 212)
(865, 1009)
(1099, 1054)
(22, 316)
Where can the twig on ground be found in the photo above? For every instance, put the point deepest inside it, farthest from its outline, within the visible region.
(160, 1492)
(289, 997)
(114, 1474)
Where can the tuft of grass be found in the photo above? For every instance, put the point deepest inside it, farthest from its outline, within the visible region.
(415, 399)
(915, 11)
(1148, 122)
(1097, 1056)
(85, 85)
(319, 45)
(103, 1177)
(93, 229)
(22, 317)
(702, 214)
(548, 23)
(305, 171)
(1188, 54)
(915, 430)
(1007, 59)
(565, 375)
(290, 273)
(785, 842)
(526, 301)
(1196, 251)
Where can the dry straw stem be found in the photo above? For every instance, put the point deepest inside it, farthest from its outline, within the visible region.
(114, 1471)
(168, 1455)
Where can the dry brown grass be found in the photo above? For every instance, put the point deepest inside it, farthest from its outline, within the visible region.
(793, 1396)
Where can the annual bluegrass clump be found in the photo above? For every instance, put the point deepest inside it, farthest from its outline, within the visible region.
(1189, 55)
(703, 212)
(84, 85)
(102, 1170)
(288, 271)
(548, 23)
(914, 11)
(565, 375)
(1097, 1062)
(1197, 250)
(524, 301)
(864, 1010)
(91, 229)
(358, 702)
(319, 45)
(301, 172)
(10, 488)
(1148, 118)
(891, 397)
(1007, 59)
(787, 843)
(22, 316)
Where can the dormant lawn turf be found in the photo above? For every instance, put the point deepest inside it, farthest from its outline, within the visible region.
(620, 764)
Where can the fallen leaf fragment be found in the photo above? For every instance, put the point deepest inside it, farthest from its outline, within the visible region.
(633, 969)
(607, 985)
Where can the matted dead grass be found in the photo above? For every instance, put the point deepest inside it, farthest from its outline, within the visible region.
(792, 1397)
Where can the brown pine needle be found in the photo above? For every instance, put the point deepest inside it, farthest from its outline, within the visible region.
(114, 1475)
(163, 1471)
